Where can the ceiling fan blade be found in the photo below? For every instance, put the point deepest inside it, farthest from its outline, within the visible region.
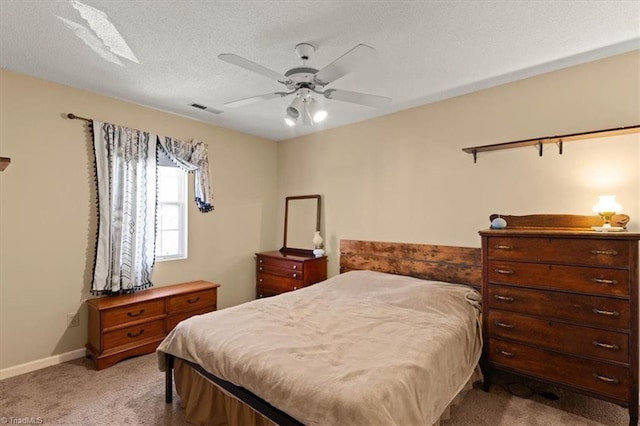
(354, 58)
(357, 98)
(251, 66)
(254, 99)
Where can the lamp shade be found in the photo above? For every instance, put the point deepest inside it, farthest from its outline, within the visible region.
(305, 115)
(607, 204)
(295, 108)
(318, 114)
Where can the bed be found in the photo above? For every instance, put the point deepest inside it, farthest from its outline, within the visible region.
(394, 339)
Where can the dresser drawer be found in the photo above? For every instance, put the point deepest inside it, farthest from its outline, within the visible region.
(567, 338)
(134, 334)
(607, 379)
(173, 320)
(592, 252)
(262, 292)
(134, 312)
(587, 310)
(280, 267)
(580, 279)
(191, 301)
(276, 283)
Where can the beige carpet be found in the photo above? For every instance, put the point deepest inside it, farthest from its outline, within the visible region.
(132, 393)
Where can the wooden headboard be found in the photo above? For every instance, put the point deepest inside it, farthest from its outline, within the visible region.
(461, 265)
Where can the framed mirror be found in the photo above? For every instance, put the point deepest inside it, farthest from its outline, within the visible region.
(301, 220)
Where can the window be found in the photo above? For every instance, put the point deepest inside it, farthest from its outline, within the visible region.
(171, 226)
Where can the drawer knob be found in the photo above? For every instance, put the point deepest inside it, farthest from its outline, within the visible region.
(605, 345)
(260, 260)
(191, 301)
(260, 268)
(295, 266)
(502, 247)
(605, 252)
(130, 334)
(295, 288)
(260, 280)
(603, 281)
(132, 315)
(295, 275)
(505, 325)
(504, 271)
(605, 378)
(505, 353)
(504, 298)
(608, 313)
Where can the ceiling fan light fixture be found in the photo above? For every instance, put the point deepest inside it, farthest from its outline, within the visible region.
(307, 119)
(304, 110)
(316, 111)
(295, 108)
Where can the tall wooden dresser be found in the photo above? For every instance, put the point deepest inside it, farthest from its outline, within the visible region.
(134, 324)
(278, 272)
(560, 305)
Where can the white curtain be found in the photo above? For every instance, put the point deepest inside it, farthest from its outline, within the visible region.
(192, 157)
(126, 177)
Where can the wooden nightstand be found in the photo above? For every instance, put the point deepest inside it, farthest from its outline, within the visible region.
(134, 324)
(278, 273)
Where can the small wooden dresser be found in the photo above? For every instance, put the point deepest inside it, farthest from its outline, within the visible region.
(561, 306)
(135, 324)
(277, 272)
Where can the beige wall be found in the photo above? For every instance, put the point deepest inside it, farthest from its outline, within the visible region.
(48, 210)
(403, 177)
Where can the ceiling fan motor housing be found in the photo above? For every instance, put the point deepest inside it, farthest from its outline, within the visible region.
(301, 77)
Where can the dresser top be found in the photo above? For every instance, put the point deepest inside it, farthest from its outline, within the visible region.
(279, 255)
(561, 225)
(107, 302)
(569, 233)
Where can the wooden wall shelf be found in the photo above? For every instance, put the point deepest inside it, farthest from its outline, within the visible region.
(4, 162)
(559, 140)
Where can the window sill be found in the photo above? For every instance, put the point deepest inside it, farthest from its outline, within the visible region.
(169, 258)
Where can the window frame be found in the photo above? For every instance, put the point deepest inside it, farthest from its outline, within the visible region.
(182, 215)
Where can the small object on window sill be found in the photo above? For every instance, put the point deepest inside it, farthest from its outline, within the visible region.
(4, 162)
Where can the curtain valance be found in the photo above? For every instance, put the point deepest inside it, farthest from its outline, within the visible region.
(192, 157)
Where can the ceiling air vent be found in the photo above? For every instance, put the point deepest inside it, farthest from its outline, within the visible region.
(206, 108)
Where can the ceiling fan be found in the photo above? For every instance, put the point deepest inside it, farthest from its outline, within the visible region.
(303, 81)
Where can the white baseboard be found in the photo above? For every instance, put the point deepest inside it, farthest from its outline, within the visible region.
(28, 367)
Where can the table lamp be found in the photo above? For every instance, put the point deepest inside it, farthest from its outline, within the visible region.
(607, 207)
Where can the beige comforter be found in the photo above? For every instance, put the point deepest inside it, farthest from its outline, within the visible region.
(362, 348)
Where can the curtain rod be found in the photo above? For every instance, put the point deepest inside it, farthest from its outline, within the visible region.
(75, 117)
(72, 116)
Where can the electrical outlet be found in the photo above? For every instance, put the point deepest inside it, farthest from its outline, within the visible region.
(73, 319)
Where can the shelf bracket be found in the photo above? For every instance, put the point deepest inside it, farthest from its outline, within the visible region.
(559, 143)
(539, 146)
(475, 156)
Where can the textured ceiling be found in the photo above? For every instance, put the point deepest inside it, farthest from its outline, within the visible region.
(428, 50)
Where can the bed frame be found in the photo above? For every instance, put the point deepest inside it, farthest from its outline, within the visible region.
(459, 265)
